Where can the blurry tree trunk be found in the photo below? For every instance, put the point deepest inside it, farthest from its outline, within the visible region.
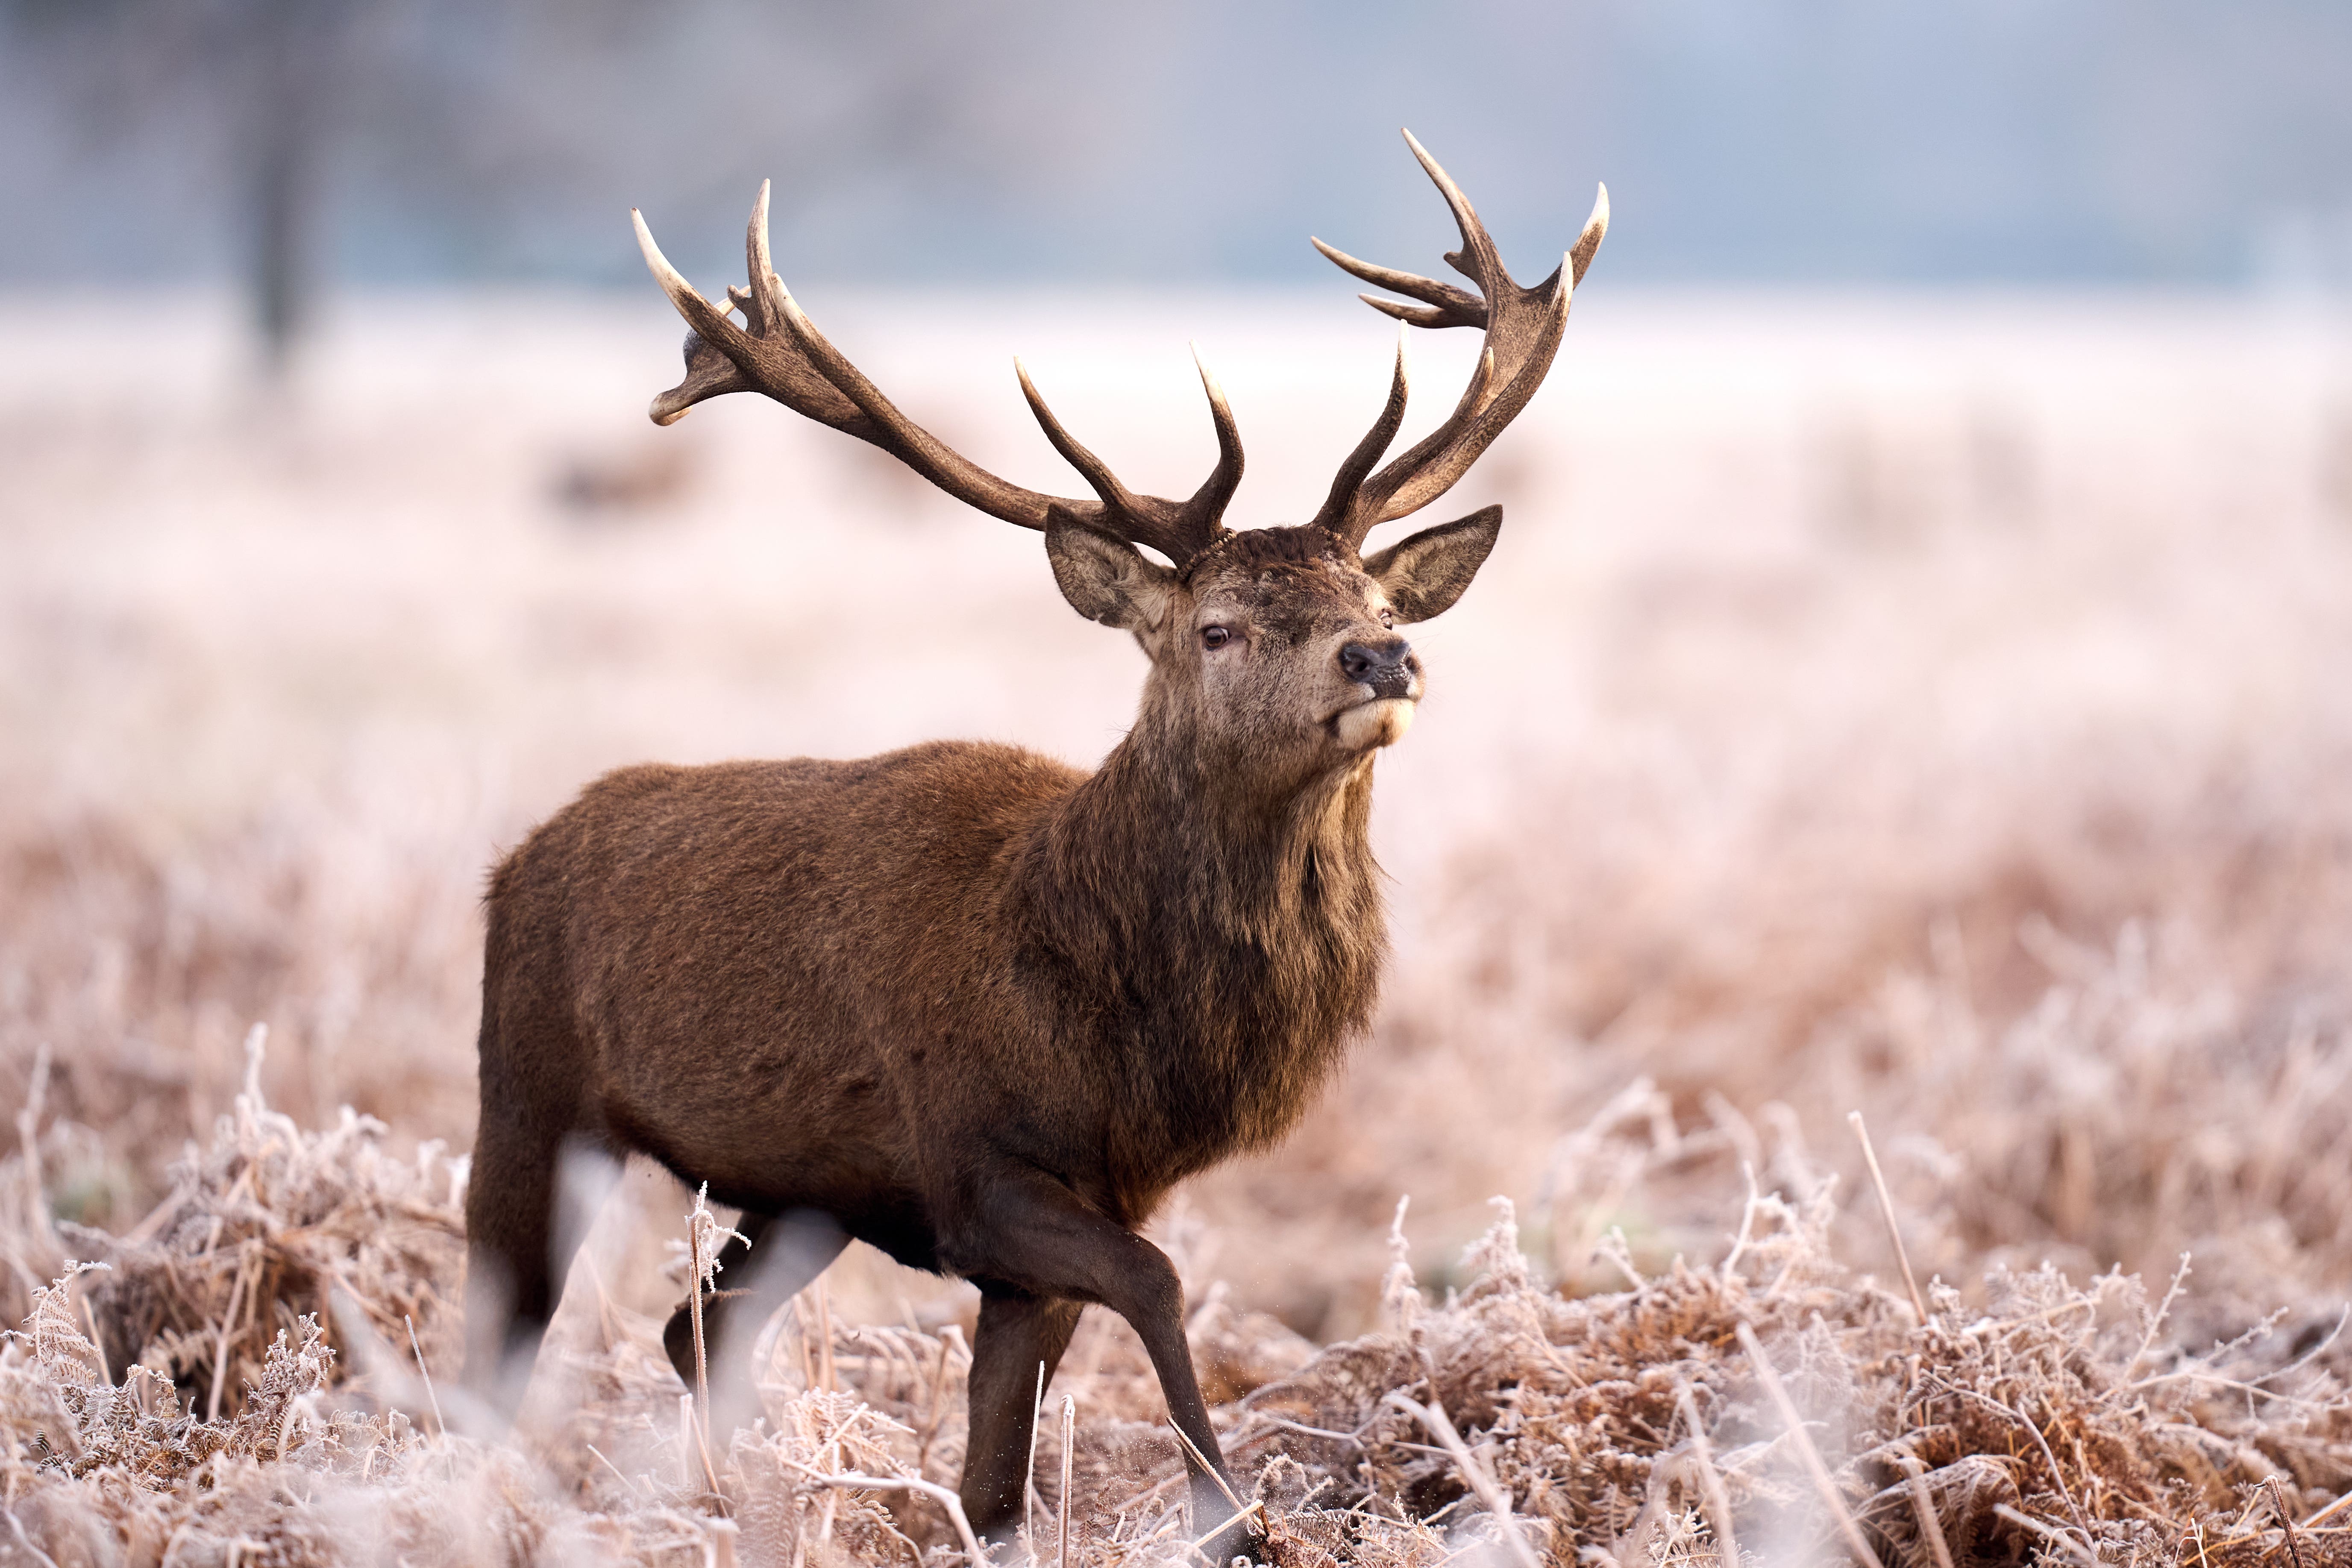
(293, 55)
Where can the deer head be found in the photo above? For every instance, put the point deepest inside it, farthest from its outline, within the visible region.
(1275, 645)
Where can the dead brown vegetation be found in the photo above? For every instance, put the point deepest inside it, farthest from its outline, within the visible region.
(2046, 1419)
(2003, 807)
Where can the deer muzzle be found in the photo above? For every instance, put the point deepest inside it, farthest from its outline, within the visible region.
(1388, 668)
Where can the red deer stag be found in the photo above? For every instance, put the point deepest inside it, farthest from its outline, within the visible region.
(965, 1004)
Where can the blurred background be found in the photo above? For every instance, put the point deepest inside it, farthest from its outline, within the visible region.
(1916, 676)
(298, 148)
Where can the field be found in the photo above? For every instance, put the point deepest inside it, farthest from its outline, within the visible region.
(1938, 708)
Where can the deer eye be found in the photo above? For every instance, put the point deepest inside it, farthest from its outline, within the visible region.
(1215, 636)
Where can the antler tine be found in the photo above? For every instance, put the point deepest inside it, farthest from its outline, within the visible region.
(910, 442)
(1207, 506)
(1587, 244)
(721, 357)
(1488, 405)
(1522, 327)
(1115, 497)
(1447, 305)
(784, 356)
(1368, 452)
(763, 303)
(709, 373)
(779, 353)
(1477, 259)
(1176, 530)
(682, 294)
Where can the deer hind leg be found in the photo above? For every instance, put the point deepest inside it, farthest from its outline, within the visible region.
(777, 1259)
(519, 1241)
(536, 1180)
(1018, 1333)
(1036, 1238)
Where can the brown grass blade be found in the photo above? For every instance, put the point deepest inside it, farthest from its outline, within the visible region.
(1710, 1481)
(1886, 1212)
(1923, 1504)
(1062, 1506)
(1498, 1503)
(1848, 1531)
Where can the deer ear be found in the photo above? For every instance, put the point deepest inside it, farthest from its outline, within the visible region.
(1424, 575)
(1107, 579)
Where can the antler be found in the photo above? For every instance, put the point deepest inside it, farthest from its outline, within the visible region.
(779, 352)
(1523, 329)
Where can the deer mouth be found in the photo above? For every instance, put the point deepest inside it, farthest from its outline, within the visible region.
(1371, 724)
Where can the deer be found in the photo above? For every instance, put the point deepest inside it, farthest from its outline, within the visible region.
(977, 1009)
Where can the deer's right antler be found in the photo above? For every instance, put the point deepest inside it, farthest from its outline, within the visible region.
(1523, 329)
(779, 352)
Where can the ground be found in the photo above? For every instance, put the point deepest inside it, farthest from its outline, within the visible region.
(1930, 707)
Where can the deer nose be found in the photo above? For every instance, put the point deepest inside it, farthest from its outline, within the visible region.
(1388, 668)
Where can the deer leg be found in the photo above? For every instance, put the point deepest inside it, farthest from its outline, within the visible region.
(1032, 1234)
(777, 1259)
(519, 1244)
(1017, 1334)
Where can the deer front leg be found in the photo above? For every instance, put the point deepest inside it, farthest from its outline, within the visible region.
(1028, 1235)
(1017, 1332)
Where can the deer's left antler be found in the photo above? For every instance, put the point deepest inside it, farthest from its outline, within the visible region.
(1523, 328)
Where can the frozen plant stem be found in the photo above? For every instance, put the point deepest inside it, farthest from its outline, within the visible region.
(1241, 1510)
(627, 1484)
(824, 1337)
(848, 1481)
(1062, 1505)
(1211, 1471)
(96, 1345)
(422, 1370)
(1886, 1212)
(2051, 1532)
(2156, 1321)
(220, 1360)
(24, 1541)
(701, 1230)
(1711, 1488)
(1441, 1426)
(694, 1314)
(28, 1138)
(1923, 1504)
(1029, 1482)
(1849, 1532)
(2286, 1521)
(2057, 1476)
(1208, 1534)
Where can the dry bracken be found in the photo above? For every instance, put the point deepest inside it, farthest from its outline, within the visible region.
(2035, 1418)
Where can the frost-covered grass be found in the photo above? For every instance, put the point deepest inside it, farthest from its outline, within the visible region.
(1769, 1401)
(1933, 708)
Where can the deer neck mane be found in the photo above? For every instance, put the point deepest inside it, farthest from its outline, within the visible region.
(1183, 841)
(1223, 938)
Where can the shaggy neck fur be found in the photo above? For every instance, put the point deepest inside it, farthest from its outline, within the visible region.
(1218, 943)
